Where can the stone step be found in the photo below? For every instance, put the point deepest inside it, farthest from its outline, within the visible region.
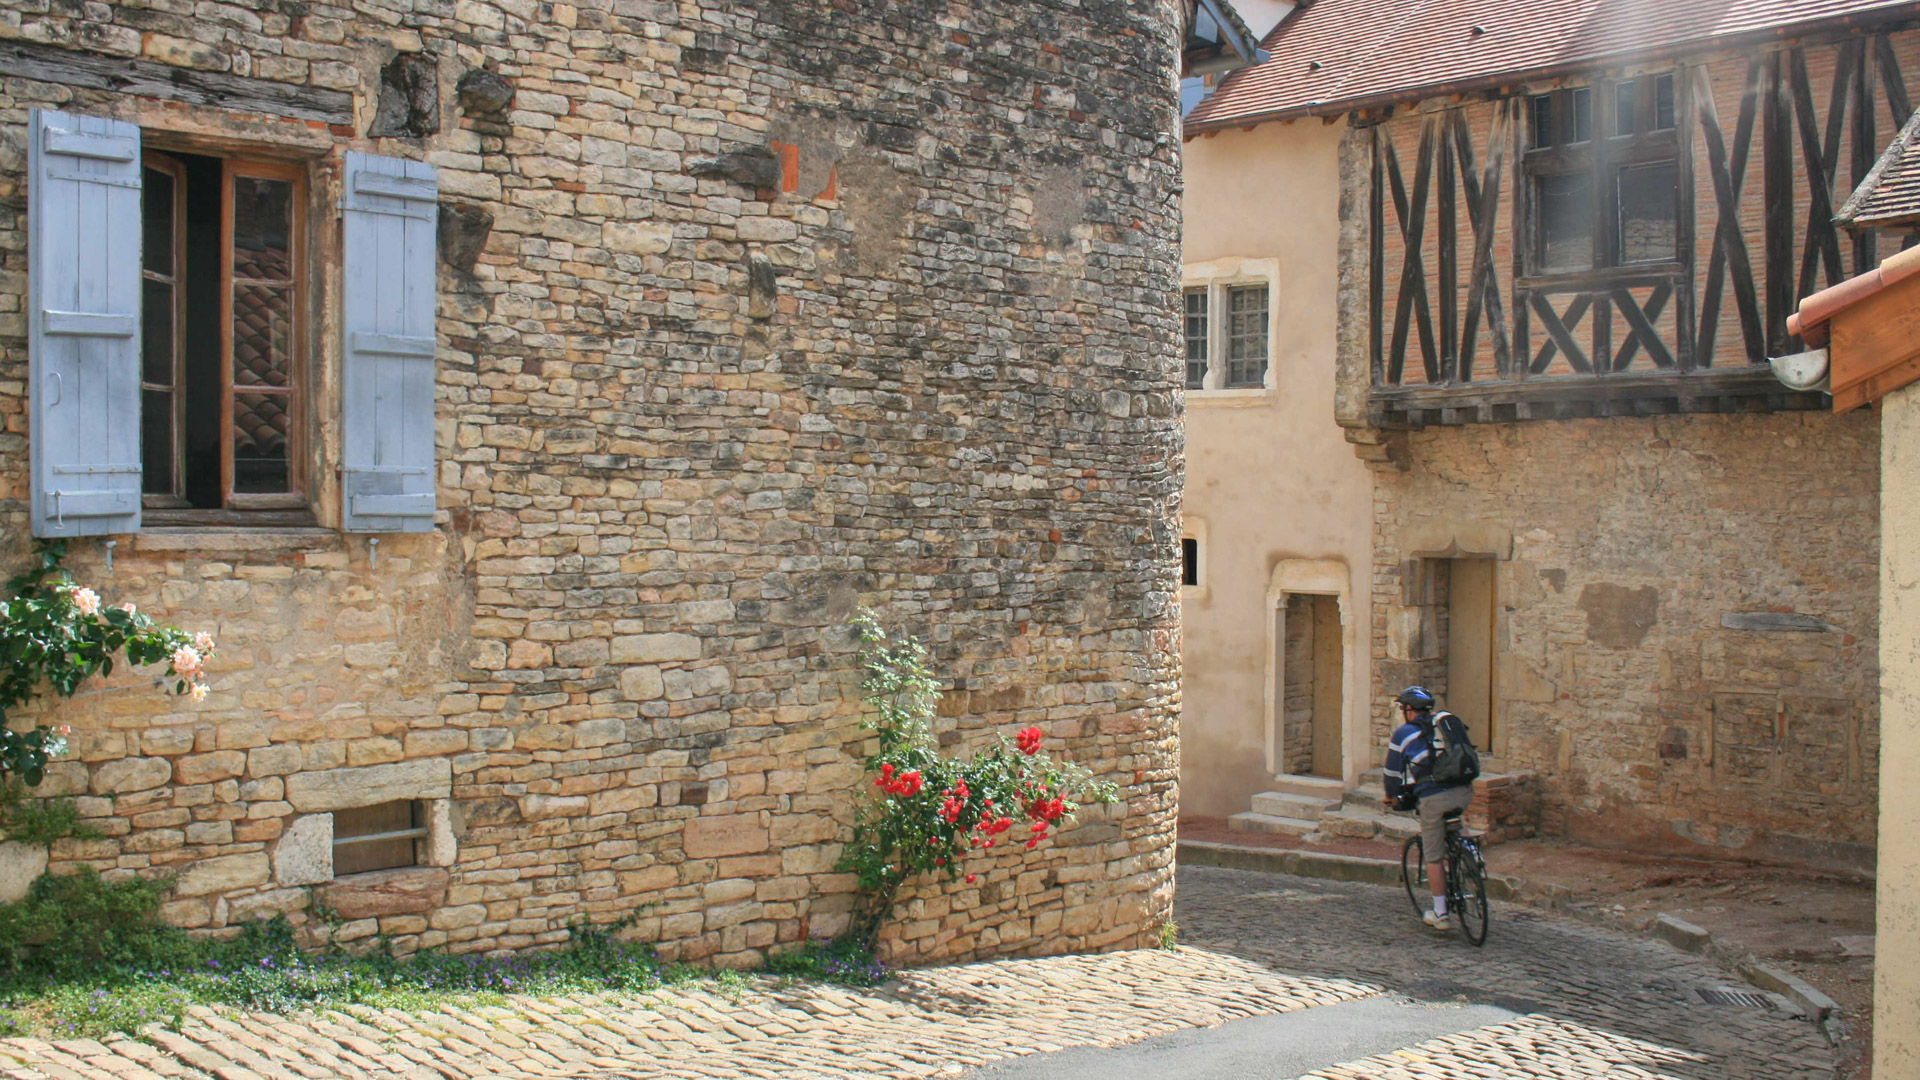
(1313, 787)
(1248, 821)
(1287, 805)
(1366, 795)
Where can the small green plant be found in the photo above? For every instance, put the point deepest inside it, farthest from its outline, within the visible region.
(56, 633)
(844, 960)
(39, 821)
(1167, 936)
(932, 812)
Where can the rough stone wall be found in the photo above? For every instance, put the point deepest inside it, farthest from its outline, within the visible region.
(690, 420)
(1625, 545)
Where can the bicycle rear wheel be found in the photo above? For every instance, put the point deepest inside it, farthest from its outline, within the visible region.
(1467, 876)
(1413, 873)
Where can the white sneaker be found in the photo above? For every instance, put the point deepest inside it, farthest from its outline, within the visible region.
(1437, 922)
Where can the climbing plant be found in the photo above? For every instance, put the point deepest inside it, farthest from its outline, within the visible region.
(930, 813)
(55, 634)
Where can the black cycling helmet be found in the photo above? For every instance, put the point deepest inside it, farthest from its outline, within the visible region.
(1416, 697)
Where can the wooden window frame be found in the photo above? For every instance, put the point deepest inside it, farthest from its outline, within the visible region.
(161, 161)
(1205, 317)
(295, 497)
(1602, 157)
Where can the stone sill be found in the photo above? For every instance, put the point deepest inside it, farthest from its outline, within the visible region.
(201, 539)
(1229, 399)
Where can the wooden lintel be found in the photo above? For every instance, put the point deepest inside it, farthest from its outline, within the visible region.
(151, 79)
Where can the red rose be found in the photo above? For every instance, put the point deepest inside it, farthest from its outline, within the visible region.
(971, 878)
(1029, 740)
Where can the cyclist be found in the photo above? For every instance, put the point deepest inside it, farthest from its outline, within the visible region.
(1410, 787)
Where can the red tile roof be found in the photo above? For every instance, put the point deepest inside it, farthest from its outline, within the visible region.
(1816, 312)
(1332, 56)
(1890, 195)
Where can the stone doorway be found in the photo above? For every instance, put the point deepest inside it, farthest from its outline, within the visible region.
(1313, 673)
(1473, 606)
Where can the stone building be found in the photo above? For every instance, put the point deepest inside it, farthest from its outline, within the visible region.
(527, 394)
(1560, 244)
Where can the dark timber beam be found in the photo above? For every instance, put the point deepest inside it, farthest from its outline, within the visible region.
(150, 79)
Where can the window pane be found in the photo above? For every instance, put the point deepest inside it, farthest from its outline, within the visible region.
(156, 442)
(262, 334)
(1565, 207)
(1623, 120)
(1543, 120)
(1649, 208)
(1582, 115)
(156, 332)
(260, 425)
(262, 228)
(358, 858)
(1663, 103)
(1189, 561)
(1247, 336)
(1196, 324)
(156, 222)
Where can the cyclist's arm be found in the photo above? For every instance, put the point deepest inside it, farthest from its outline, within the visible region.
(1404, 754)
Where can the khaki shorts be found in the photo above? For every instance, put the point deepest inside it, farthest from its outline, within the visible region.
(1433, 823)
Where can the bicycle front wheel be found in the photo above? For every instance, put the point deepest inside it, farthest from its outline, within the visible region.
(1413, 873)
(1469, 879)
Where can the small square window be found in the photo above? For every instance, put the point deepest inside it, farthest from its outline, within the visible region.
(1663, 103)
(1582, 106)
(382, 837)
(1189, 561)
(1625, 121)
(1247, 336)
(1196, 327)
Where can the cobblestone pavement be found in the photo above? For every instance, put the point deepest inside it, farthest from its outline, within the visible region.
(1593, 1003)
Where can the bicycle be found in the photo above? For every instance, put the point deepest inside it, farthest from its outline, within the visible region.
(1466, 877)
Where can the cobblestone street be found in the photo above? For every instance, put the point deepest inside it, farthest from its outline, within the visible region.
(1584, 1003)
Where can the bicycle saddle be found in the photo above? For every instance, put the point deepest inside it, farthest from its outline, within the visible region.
(1452, 815)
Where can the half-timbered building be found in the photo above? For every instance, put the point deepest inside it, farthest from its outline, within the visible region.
(1566, 238)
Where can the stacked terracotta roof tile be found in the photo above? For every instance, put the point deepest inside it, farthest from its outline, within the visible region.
(1332, 56)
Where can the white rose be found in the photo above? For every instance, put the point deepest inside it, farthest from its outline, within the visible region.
(86, 601)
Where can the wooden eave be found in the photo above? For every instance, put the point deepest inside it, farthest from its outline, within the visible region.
(1874, 343)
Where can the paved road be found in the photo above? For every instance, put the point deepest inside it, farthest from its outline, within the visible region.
(1551, 997)
(1279, 977)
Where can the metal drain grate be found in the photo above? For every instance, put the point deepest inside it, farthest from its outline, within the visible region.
(1741, 998)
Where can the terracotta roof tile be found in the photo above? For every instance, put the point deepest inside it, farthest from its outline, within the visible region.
(1891, 192)
(1329, 56)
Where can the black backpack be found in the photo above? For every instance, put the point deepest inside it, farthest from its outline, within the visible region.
(1454, 759)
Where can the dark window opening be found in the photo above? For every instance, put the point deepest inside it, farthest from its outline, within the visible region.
(1582, 119)
(1565, 205)
(1624, 120)
(1189, 561)
(1196, 327)
(221, 315)
(1543, 120)
(383, 837)
(1647, 199)
(1663, 108)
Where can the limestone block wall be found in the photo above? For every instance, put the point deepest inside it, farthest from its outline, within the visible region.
(693, 413)
(1647, 669)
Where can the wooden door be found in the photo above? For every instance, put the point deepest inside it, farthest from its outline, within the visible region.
(1472, 604)
(1329, 678)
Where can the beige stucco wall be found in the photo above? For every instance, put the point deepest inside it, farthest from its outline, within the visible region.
(1896, 990)
(1270, 478)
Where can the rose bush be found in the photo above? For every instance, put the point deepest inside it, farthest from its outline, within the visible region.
(56, 633)
(930, 813)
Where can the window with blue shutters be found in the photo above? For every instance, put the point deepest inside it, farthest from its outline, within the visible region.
(172, 356)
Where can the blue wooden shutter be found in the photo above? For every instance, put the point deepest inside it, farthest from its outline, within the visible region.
(390, 212)
(83, 323)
